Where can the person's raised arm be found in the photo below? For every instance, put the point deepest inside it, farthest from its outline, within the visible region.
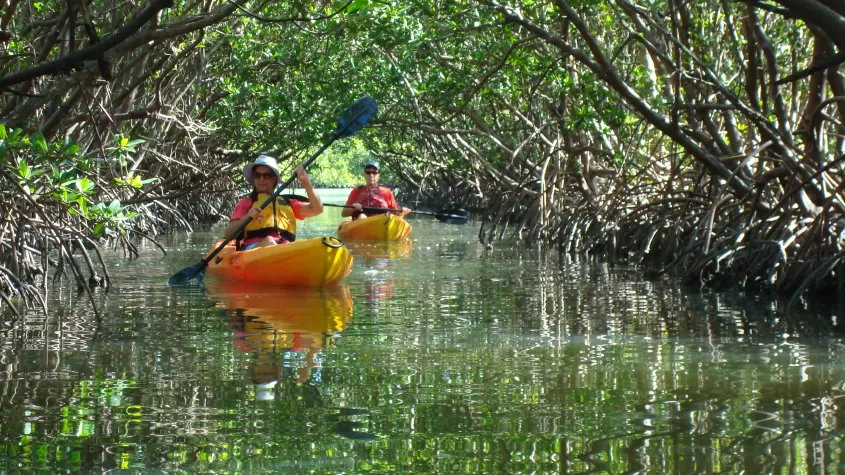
(314, 206)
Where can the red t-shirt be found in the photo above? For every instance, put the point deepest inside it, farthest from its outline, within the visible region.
(243, 207)
(383, 191)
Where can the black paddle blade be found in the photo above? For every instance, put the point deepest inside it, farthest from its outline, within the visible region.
(184, 276)
(452, 216)
(359, 114)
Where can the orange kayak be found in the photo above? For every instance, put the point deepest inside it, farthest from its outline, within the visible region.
(381, 227)
(317, 262)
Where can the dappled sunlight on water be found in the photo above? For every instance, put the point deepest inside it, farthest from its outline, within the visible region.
(435, 356)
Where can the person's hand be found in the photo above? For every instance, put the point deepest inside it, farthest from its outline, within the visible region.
(300, 173)
(357, 206)
(405, 211)
(255, 214)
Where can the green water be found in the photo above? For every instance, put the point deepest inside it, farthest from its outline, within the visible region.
(439, 357)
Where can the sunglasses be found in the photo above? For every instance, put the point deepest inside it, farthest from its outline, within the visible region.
(267, 175)
(371, 172)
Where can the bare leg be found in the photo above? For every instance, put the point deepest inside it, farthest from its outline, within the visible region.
(267, 241)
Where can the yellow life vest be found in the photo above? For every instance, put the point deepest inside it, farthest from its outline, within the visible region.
(278, 216)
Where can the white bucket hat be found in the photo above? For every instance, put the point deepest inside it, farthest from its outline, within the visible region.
(265, 160)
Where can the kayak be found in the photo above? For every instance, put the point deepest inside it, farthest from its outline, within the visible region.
(381, 227)
(314, 262)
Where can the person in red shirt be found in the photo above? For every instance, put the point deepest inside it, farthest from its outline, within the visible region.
(371, 195)
(276, 223)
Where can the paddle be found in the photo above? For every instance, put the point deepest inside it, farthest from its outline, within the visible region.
(448, 216)
(352, 120)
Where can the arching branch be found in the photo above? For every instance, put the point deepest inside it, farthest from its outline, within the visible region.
(90, 52)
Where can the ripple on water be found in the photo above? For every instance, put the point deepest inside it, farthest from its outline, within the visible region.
(447, 357)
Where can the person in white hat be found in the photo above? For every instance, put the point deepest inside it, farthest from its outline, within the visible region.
(371, 195)
(276, 223)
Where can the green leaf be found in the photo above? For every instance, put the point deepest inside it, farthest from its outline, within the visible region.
(23, 170)
(83, 205)
(358, 5)
(84, 185)
(69, 146)
(39, 142)
(2, 132)
(114, 207)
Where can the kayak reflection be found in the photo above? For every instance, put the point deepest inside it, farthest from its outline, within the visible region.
(271, 322)
(380, 250)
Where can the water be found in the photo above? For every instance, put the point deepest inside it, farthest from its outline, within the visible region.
(440, 356)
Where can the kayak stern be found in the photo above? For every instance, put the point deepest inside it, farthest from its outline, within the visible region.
(317, 262)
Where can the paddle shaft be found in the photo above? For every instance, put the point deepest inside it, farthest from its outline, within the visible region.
(370, 208)
(266, 202)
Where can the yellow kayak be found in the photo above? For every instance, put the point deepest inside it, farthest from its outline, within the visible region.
(314, 262)
(381, 227)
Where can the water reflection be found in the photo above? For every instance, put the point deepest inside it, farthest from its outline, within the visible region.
(459, 359)
(380, 250)
(374, 257)
(270, 322)
(275, 326)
